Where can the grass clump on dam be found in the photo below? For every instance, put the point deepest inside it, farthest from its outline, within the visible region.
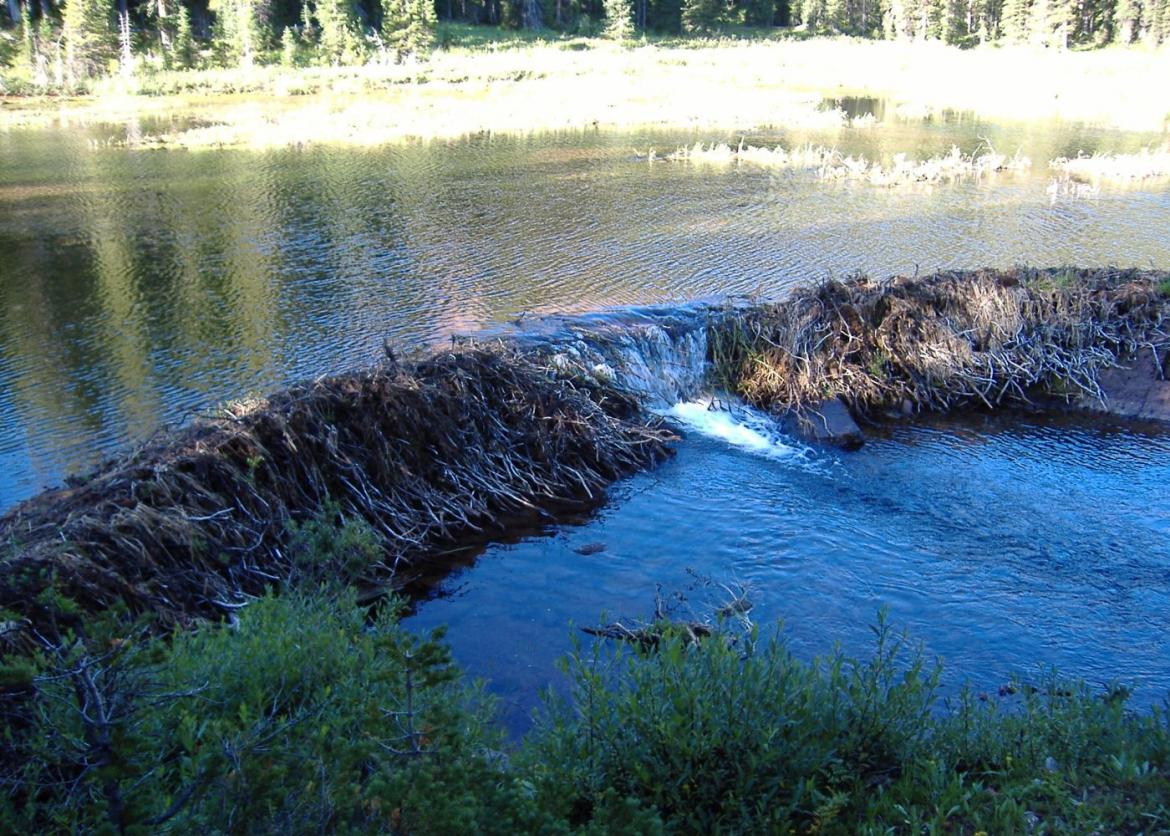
(943, 341)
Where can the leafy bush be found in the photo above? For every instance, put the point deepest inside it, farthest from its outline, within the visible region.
(308, 715)
(303, 717)
(726, 738)
(721, 738)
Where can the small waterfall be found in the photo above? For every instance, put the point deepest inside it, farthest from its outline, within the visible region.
(657, 352)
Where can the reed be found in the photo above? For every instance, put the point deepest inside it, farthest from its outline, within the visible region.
(833, 166)
(1148, 165)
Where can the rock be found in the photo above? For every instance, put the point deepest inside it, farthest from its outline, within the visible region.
(603, 373)
(590, 548)
(828, 422)
(1136, 390)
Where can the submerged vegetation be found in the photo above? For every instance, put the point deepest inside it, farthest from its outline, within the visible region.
(1145, 166)
(308, 716)
(951, 339)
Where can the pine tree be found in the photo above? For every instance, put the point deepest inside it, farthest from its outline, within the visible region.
(29, 51)
(759, 12)
(340, 39)
(236, 33)
(1014, 21)
(955, 28)
(619, 19)
(1158, 30)
(408, 27)
(1127, 21)
(897, 21)
(700, 15)
(837, 16)
(815, 14)
(90, 41)
(186, 53)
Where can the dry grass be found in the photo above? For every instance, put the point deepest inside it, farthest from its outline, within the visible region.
(831, 165)
(943, 341)
(443, 452)
(726, 85)
(1146, 166)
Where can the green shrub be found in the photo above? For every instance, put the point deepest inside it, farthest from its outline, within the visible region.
(333, 545)
(308, 715)
(721, 738)
(726, 738)
(303, 717)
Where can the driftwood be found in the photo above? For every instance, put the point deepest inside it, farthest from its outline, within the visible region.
(649, 635)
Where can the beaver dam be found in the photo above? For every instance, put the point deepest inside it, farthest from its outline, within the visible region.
(511, 430)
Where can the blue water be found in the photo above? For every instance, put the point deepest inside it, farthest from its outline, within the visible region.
(1006, 544)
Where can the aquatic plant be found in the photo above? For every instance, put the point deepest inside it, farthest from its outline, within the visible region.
(1146, 165)
(831, 165)
(436, 453)
(941, 341)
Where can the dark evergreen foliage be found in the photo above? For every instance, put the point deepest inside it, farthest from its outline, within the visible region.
(186, 34)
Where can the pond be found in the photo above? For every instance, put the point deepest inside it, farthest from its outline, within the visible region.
(138, 287)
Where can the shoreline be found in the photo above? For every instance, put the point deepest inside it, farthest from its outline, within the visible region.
(585, 83)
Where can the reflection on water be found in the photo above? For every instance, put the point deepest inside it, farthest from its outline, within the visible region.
(1005, 544)
(136, 286)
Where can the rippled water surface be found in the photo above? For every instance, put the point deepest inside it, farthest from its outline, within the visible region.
(1006, 544)
(136, 286)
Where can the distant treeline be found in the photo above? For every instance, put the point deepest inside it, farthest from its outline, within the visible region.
(64, 42)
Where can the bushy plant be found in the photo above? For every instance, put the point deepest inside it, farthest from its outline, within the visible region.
(619, 19)
(333, 545)
(90, 40)
(305, 716)
(724, 737)
(408, 27)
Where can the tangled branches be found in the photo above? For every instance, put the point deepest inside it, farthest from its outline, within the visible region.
(447, 450)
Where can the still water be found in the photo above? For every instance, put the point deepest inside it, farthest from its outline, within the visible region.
(137, 286)
(1006, 544)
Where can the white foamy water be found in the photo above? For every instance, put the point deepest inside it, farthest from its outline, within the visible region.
(741, 426)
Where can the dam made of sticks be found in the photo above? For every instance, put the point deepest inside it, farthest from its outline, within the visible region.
(531, 422)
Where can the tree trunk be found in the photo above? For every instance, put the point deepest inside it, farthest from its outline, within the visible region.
(14, 11)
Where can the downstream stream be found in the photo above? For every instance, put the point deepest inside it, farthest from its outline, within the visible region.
(1007, 544)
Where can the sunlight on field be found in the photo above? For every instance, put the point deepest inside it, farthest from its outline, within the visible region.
(729, 85)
